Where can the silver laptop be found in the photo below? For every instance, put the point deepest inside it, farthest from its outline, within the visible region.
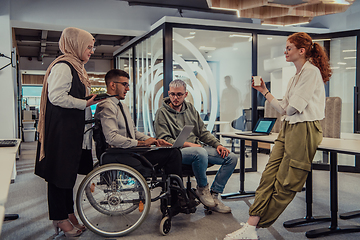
(263, 127)
(180, 140)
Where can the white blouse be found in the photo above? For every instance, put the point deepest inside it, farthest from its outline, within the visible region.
(306, 93)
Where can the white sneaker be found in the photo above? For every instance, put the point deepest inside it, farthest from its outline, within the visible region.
(204, 196)
(247, 232)
(220, 206)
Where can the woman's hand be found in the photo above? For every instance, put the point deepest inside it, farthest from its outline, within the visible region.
(262, 88)
(91, 101)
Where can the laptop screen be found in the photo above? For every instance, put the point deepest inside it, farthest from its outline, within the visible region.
(264, 125)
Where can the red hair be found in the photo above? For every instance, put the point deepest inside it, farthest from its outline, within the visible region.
(313, 52)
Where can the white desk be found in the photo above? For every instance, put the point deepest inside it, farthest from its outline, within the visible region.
(350, 145)
(7, 161)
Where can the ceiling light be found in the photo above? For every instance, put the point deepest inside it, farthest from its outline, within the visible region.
(320, 40)
(209, 56)
(341, 63)
(239, 35)
(350, 50)
(349, 57)
(125, 65)
(190, 37)
(335, 67)
(228, 9)
(340, 2)
(300, 23)
(269, 38)
(207, 48)
(149, 53)
(348, 68)
(192, 33)
(274, 25)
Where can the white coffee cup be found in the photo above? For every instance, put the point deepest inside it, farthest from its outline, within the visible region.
(257, 81)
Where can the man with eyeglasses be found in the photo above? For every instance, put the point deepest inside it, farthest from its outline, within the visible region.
(174, 114)
(120, 132)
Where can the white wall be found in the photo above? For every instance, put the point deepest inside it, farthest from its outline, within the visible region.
(7, 89)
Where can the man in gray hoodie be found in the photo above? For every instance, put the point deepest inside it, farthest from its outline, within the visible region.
(171, 117)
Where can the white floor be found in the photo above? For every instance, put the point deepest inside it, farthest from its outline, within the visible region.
(27, 197)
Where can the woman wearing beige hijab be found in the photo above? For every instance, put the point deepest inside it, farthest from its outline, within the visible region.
(60, 155)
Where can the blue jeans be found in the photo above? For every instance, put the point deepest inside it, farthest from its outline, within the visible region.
(199, 157)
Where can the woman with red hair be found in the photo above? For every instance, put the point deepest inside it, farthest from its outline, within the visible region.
(302, 108)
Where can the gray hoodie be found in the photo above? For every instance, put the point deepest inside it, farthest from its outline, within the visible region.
(169, 123)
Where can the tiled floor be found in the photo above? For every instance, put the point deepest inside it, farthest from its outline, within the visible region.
(27, 197)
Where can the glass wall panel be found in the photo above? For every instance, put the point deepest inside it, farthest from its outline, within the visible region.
(149, 81)
(272, 65)
(124, 62)
(341, 84)
(216, 65)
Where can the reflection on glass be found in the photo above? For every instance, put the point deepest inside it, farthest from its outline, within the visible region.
(149, 81)
(216, 66)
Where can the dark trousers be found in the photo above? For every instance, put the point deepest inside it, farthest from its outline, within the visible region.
(167, 158)
(60, 202)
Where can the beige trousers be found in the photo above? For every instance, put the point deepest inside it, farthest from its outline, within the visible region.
(287, 170)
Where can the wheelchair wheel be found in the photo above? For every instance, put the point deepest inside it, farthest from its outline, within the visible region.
(165, 225)
(113, 200)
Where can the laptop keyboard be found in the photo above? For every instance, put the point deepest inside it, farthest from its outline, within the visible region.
(7, 143)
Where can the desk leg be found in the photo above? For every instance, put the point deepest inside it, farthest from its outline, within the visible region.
(333, 229)
(309, 218)
(242, 192)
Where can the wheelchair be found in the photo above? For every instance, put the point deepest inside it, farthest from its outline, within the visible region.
(114, 199)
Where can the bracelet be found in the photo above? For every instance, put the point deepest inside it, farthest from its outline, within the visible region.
(266, 93)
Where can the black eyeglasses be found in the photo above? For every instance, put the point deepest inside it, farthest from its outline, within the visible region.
(172, 94)
(125, 84)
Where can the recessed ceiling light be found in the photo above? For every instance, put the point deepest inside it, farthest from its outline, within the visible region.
(341, 63)
(293, 24)
(350, 50)
(207, 48)
(190, 37)
(209, 56)
(239, 35)
(320, 40)
(348, 68)
(269, 38)
(349, 57)
(192, 33)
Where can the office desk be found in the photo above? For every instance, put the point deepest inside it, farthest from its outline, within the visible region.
(7, 161)
(332, 145)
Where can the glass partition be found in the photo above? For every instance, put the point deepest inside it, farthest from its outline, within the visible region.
(124, 62)
(341, 84)
(149, 81)
(216, 65)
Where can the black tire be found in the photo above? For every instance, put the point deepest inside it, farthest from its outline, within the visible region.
(113, 200)
(165, 225)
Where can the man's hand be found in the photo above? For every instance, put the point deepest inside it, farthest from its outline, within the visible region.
(189, 144)
(148, 142)
(162, 142)
(222, 151)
